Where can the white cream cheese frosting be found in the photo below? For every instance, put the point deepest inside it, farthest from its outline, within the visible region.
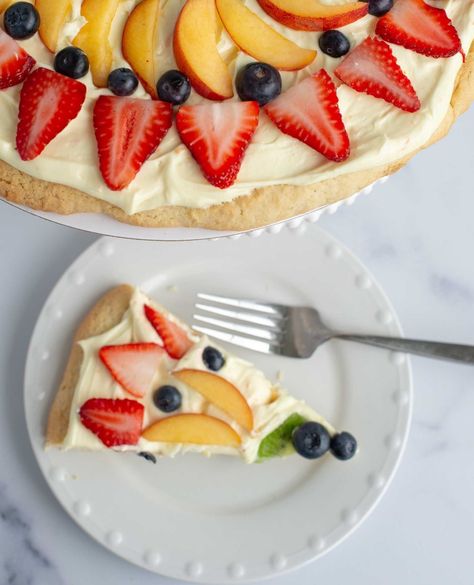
(95, 381)
(379, 132)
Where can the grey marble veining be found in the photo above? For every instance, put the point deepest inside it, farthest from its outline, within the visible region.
(22, 561)
(451, 291)
(416, 235)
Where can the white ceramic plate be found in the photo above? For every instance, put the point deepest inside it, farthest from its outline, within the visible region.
(105, 225)
(218, 520)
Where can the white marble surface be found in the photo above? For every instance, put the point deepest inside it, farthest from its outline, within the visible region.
(416, 234)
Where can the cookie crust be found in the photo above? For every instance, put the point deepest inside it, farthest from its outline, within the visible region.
(105, 314)
(262, 207)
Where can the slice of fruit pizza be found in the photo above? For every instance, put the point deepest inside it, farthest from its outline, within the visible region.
(138, 379)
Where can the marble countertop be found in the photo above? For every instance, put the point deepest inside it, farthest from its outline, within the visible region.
(416, 234)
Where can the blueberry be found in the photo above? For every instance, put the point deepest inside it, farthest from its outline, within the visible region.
(173, 87)
(311, 440)
(343, 446)
(334, 43)
(71, 62)
(148, 456)
(259, 82)
(21, 20)
(167, 398)
(379, 7)
(213, 358)
(122, 81)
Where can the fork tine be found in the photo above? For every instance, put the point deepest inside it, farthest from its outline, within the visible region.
(269, 308)
(254, 344)
(245, 329)
(239, 315)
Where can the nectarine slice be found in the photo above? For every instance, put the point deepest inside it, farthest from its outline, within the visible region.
(195, 50)
(259, 40)
(139, 41)
(4, 4)
(93, 38)
(312, 15)
(197, 429)
(53, 15)
(219, 392)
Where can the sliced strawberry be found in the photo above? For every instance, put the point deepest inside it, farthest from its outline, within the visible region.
(175, 339)
(48, 102)
(133, 365)
(218, 135)
(15, 63)
(420, 27)
(309, 111)
(372, 68)
(128, 131)
(114, 421)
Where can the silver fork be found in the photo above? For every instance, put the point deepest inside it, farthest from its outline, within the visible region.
(298, 331)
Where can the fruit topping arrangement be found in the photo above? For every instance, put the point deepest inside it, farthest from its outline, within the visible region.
(309, 439)
(213, 358)
(114, 421)
(420, 27)
(334, 43)
(159, 390)
(175, 339)
(15, 63)
(71, 62)
(48, 102)
(174, 87)
(93, 38)
(259, 40)
(132, 365)
(138, 43)
(379, 7)
(122, 82)
(372, 68)
(311, 15)
(21, 21)
(258, 82)
(219, 392)
(128, 131)
(309, 111)
(217, 136)
(218, 130)
(167, 398)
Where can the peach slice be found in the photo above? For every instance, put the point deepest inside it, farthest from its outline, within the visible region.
(4, 4)
(259, 40)
(93, 38)
(53, 14)
(139, 42)
(197, 429)
(221, 393)
(195, 50)
(312, 15)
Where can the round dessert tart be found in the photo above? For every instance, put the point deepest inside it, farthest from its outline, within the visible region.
(222, 114)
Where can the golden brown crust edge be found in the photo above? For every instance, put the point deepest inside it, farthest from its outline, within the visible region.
(264, 206)
(105, 314)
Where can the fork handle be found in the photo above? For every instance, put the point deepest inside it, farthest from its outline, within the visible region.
(432, 349)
